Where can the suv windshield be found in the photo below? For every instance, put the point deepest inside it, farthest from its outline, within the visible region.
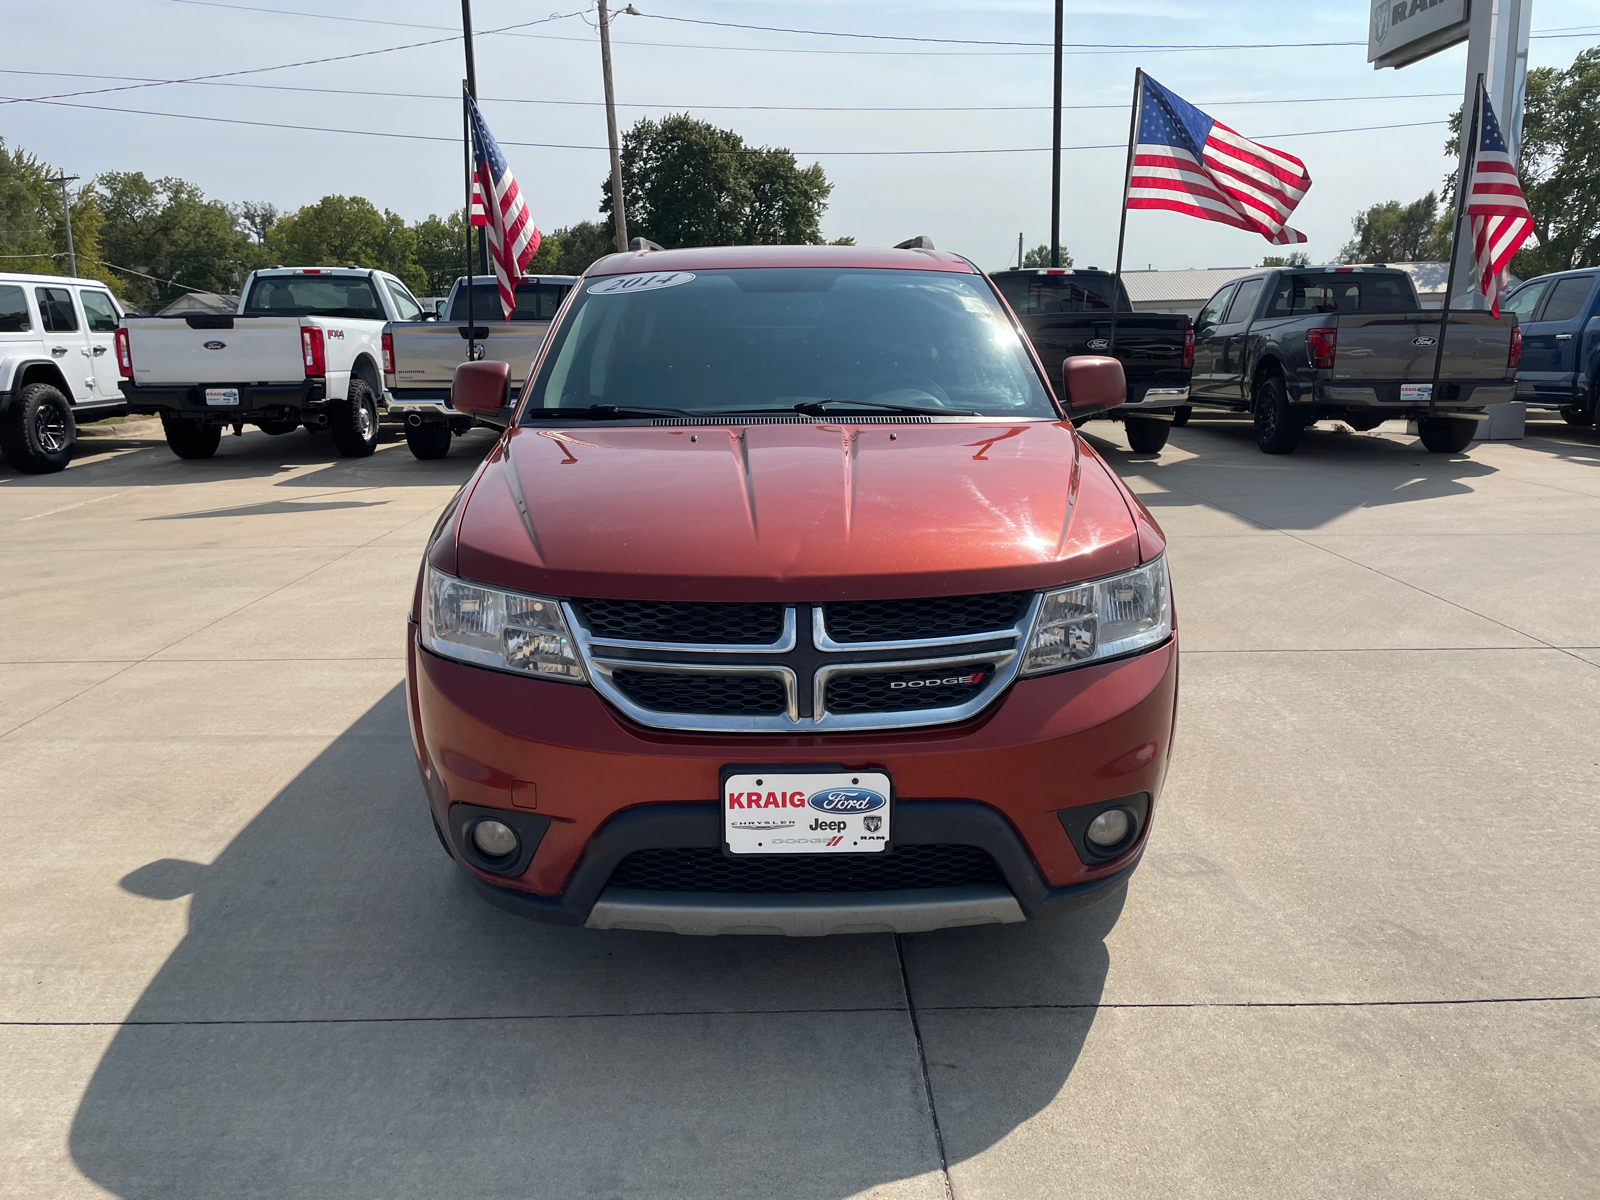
(1328, 292)
(313, 296)
(1032, 295)
(769, 339)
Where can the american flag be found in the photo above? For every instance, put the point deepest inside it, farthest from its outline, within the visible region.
(513, 237)
(1499, 213)
(1189, 163)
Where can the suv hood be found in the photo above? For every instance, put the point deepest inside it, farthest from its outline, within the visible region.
(792, 511)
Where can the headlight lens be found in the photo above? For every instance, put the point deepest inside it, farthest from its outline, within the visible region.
(492, 628)
(1102, 619)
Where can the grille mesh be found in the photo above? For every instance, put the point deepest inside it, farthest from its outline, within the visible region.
(705, 869)
(925, 617)
(758, 695)
(673, 621)
(869, 691)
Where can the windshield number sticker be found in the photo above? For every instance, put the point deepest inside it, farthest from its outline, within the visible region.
(622, 285)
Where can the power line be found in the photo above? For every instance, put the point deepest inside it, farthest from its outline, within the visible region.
(279, 87)
(422, 137)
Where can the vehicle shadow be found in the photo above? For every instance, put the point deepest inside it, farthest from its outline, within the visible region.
(344, 1018)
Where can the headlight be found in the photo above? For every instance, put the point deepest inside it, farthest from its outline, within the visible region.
(1091, 621)
(492, 628)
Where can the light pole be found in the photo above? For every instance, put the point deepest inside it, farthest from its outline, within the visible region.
(619, 218)
(66, 212)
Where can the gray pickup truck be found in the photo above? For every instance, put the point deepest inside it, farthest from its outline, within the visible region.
(1354, 344)
(420, 357)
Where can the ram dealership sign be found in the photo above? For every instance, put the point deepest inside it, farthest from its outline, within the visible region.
(1404, 31)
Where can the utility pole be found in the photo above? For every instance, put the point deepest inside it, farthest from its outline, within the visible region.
(66, 212)
(1055, 156)
(619, 218)
(1019, 252)
(472, 90)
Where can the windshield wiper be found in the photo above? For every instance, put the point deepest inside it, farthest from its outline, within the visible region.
(610, 412)
(816, 408)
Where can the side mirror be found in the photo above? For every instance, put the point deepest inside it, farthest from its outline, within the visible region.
(481, 388)
(1092, 383)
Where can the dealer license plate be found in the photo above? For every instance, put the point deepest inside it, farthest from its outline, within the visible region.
(806, 812)
(217, 396)
(1416, 393)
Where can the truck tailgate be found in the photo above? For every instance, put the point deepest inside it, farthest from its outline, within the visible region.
(1402, 347)
(172, 350)
(426, 353)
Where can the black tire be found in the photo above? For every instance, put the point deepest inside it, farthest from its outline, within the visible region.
(1578, 416)
(1147, 436)
(191, 439)
(277, 428)
(354, 424)
(1180, 416)
(1446, 435)
(38, 430)
(1278, 429)
(431, 439)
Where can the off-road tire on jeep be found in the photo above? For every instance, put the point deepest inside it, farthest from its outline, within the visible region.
(37, 431)
(431, 439)
(277, 428)
(1147, 436)
(1180, 416)
(354, 424)
(1446, 435)
(191, 439)
(1278, 428)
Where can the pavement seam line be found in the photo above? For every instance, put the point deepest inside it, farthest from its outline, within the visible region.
(922, 1063)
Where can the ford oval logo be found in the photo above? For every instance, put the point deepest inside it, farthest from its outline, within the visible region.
(216, 345)
(846, 800)
(1099, 344)
(1424, 340)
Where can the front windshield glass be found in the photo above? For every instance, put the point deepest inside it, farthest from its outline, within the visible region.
(313, 296)
(770, 339)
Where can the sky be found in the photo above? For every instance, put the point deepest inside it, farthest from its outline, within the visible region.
(769, 87)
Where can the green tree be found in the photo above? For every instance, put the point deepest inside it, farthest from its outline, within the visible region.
(688, 183)
(1295, 258)
(33, 234)
(1039, 256)
(441, 251)
(1395, 232)
(574, 248)
(342, 231)
(1560, 166)
(176, 239)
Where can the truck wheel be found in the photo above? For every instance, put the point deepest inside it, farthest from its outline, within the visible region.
(38, 430)
(1446, 435)
(355, 422)
(277, 428)
(1180, 416)
(1277, 429)
(431, 439)
(191, 439)
(1146, 436)
(1578, 416)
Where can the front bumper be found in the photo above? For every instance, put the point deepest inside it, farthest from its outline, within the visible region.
(608, 787)
(257, 401)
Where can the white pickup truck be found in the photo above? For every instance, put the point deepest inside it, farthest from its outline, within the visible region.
(305, 348)
(56, 366)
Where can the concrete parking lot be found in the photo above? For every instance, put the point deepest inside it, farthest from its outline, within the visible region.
(1359, 959)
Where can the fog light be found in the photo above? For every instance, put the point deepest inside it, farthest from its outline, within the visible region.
(495, 840)
(1109, 828)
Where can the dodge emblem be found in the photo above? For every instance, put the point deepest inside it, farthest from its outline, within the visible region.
(872, 824)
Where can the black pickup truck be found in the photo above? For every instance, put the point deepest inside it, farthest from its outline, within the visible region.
(1353, 344)
(1067, 312)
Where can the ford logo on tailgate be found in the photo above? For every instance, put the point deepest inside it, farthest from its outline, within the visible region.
(216, 345)
(1099, 344)
(846, 800)
(1424, 340)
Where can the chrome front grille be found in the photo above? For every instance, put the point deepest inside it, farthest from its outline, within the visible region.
(746, 668)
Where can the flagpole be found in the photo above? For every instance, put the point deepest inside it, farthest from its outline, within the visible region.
(1055, 154)
(466, 154)
(1127, 186)
(1469, 151)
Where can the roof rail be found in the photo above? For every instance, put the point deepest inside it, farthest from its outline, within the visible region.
(921, 242)
(640, 243)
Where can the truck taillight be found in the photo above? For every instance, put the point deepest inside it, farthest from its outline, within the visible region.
(124, 353)
(311, 349)
(1321, 345)
(1188, 349)
(1515, 356)
(388, 354)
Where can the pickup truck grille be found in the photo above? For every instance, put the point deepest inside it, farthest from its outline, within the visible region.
(705, 869)
(802, 668)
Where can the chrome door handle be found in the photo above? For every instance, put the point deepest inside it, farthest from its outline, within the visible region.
(58, 351)
(1563, 337)
(99, 350)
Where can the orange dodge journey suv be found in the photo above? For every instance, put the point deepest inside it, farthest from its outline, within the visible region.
(791, 602)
